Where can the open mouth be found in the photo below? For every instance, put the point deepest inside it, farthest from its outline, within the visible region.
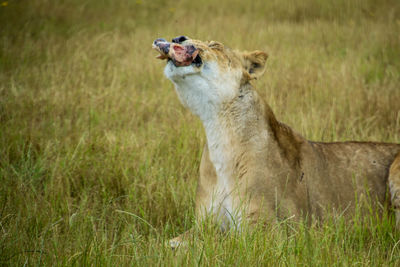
(180, 55)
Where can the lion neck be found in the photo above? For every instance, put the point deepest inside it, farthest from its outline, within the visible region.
(236, 132)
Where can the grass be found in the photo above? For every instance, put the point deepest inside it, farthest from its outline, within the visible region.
(99, 161)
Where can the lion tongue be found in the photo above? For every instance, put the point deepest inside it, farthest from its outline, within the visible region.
(183, 55)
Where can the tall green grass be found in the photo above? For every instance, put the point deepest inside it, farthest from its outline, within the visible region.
(99, 161)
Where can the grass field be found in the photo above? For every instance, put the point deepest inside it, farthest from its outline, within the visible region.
(99, 161)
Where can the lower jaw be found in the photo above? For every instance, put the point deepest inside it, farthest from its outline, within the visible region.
(178, 65)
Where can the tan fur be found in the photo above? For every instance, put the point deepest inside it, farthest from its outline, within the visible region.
(275, 172)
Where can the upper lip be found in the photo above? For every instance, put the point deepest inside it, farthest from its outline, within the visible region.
(181, 55)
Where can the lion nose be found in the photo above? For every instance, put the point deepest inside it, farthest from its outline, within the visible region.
(180, 39)
(158, 40)
(162, 44)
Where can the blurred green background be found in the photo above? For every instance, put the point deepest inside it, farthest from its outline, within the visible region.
(99, 161)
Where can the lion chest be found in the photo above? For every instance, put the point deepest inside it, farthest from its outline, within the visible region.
(223, 203)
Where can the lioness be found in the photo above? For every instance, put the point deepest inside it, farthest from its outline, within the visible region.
(254, 166)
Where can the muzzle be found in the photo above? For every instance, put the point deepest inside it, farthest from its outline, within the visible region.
(181, 55)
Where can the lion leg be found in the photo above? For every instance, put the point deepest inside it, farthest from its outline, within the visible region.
(394, 187)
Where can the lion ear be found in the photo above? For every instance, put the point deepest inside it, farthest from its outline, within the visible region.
(254, 63)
